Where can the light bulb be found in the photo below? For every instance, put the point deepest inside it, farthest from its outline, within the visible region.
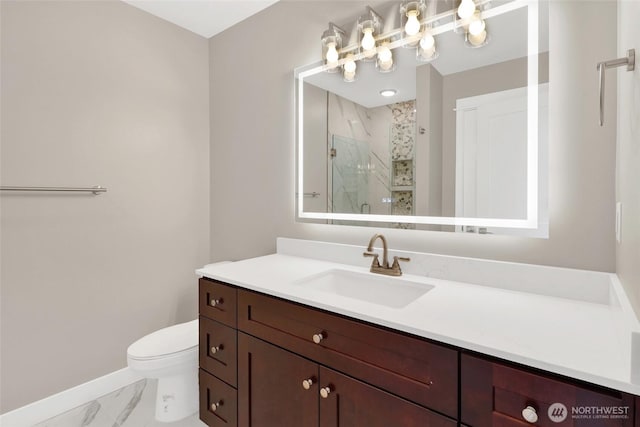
(386, 65)
(384, 54)
(466, 9)
(412, 27)
(477, 25)
(478, 39)
(350, 64)
(427, 54)
(332, 53)
(349, 76)
(368, 42)
(427, 41)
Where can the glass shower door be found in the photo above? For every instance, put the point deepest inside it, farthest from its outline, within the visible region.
(349, 175)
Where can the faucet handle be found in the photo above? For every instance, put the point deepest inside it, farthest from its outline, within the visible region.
(375, 262)
(396, 263)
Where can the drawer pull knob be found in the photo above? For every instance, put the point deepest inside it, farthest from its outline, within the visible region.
(530, 415)
(216, 349)
(215, 406)
(317, 338)
(325, 392)
(306, 384)
(215, 302)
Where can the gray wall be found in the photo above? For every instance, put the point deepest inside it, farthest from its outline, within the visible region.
(492, 78)
(97, 92)
(628, 159)
(256, 160)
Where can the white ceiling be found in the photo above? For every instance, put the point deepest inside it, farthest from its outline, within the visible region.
(204, 17)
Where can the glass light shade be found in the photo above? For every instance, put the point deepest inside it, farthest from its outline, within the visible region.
(368, 42)
(466, 9)
(332, 53)
(477, 25)
(412, 27)
(477, 40)
(384, 54)
(427, 41)
(349, 76)
(350, 64)
(428, 54)
(385, 66)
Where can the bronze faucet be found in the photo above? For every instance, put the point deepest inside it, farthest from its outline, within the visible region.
(394, 270)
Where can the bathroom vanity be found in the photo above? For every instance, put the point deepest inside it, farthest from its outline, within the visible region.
(280, 347)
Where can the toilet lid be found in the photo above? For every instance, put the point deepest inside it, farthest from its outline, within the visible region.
(173, 339)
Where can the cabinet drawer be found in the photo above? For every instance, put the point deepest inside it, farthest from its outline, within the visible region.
(217, 301)
(417, 370)
(218, 402)
(218, 350)
(350, 402)
(494, 394)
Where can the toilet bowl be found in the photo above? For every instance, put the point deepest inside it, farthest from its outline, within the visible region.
(170, 355)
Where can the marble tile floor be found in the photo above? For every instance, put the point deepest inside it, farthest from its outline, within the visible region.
(130, 406)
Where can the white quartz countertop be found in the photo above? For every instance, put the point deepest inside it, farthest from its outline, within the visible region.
(586, 340)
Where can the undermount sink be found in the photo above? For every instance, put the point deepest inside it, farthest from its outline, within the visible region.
(383, 290)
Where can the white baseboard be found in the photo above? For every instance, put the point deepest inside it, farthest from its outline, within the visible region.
(66, 400)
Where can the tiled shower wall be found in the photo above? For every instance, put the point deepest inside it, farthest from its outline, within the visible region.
(389, 132)
(130, 406)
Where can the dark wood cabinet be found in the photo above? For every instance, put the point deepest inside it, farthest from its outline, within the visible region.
(413, 368)
(217, 301)
(270, 386)
(279, 388)
(218, 350)
(268, 362)
(495, 394)
(218, 356)
(218, 406)
(346, 401)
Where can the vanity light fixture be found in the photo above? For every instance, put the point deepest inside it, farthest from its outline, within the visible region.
(369, 25)
(410, 14)
(476, 35)
(427, 47)
(466, 9)
(388, 92)
(385, 58)
(332, 40)
(418, 29)
(349, 68)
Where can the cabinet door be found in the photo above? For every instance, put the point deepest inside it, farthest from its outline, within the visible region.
(349, 402)
(497, 395)
(270, 386)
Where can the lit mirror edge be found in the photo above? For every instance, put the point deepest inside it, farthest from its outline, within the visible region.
(531, 222)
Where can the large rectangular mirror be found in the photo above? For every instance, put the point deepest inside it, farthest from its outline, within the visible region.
(460, 143)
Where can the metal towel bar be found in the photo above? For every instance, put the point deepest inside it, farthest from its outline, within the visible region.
(629, 61)
(312, 194)
(95, 190)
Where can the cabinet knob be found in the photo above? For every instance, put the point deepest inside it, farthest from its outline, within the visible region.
(216, 405)
(530, 415)
(215, 302)
(216, 349)
(317, 338)
(306, 384)
(325, 392)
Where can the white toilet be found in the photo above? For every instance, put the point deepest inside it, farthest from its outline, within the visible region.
(171, 356)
